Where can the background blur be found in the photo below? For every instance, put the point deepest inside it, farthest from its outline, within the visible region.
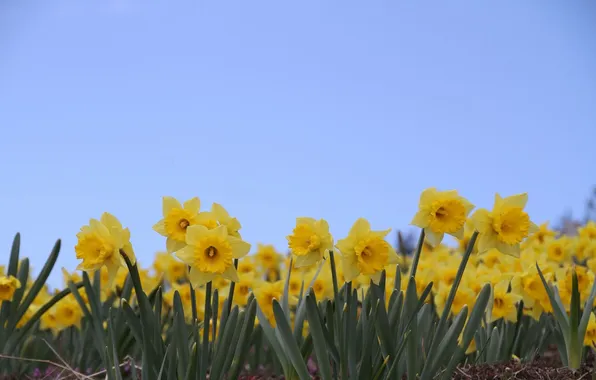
(283, 109)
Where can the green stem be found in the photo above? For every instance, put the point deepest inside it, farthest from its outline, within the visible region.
(337, 315)
(193, 301)
(439, 332)
(206, 319)
(231, 292)
(417, 254)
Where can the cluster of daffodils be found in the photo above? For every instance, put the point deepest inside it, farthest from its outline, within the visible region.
(204, 252)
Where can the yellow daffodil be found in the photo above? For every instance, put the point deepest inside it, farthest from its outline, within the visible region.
(310, 240)
(8, 285)
(225, 219)
(68, 313)
(210, 254)
(100, 244)
(462, 244)
(559, 250)
(176, 219)
(172, 269)
(247, 267)
(590, 337)
(265, 293)
(365, 252)
(505, 227)
(504, 303)
(584, 249)
(267, 256)
(440, 213)
(542, 235)
(588, 231)
(242, 289)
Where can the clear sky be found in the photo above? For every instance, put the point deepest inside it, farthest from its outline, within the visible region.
(278, 109)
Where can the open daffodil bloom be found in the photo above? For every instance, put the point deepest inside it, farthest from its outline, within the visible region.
(210, 254)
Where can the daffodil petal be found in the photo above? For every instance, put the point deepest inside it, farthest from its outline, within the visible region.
(231, 274)
(193, 205)
(174, 245)
(186, 254)
(194, 233)
(110, 221)
(518, 200)
(169, 203)
(240, 248)
(433, 238)
(198, 278)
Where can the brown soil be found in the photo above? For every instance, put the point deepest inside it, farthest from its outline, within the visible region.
(547, 367)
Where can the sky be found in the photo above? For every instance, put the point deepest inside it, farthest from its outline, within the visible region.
(280, 109)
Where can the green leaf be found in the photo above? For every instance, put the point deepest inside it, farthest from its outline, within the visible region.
(559, 312)
(244, 342)
(180, 332)
(290, 346)
(583, 324)
(164, 361)
(272, 339)
(320, 346)
(446, 345)
(226, 337)
(132, 321)
(22, 276)
(112, 346)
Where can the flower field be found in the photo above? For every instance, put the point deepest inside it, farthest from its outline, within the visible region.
(352, 307)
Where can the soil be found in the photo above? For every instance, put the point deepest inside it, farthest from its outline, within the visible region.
(548, 367)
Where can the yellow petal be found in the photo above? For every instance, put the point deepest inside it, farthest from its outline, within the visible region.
(350, 269)
(482, 221)
(346, 246)
(231, 274)
(518, 200)
(174, 245)
(220, 213)
(198, 278)
(393, 257)
(110, 221)
(306, 260)
(427, 196)
(193, 205)
(169, 203)
(360, 228)
(433, 238)
(376, 277)
(305, 220)
(321, 227)
(186, 254)
(194, 233)
(421, 219)
(486, 242)
(458, 234)
(240, 248)
(533, 228)
(130, 253)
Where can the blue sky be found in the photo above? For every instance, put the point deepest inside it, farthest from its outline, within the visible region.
(278, 109)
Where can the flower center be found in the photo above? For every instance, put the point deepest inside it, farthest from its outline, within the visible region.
(184, 224)
(211, 251)
(243, 289)
(372, 254)
(94, 249)
(447, 216)
(512, 225)
(176, 223)
(304, 240)
(499, 303)
(213, 254)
